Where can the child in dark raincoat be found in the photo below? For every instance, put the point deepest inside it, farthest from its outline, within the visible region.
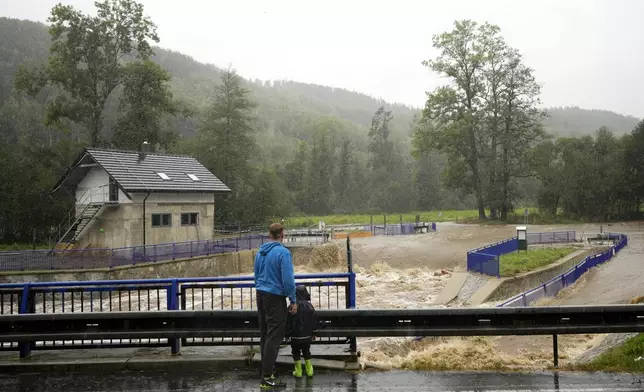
(301, 328)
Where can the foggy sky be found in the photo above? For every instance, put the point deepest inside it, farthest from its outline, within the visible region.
(586, 53)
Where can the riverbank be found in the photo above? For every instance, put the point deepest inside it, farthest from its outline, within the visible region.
(516, 216)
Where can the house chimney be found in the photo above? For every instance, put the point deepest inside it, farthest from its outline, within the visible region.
(146, 148)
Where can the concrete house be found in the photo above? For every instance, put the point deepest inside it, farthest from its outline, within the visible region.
(131, 198)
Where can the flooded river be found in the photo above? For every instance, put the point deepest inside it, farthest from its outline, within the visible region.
(421, 263)
(409, 272)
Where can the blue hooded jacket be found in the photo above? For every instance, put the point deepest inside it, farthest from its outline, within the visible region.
(274, 270)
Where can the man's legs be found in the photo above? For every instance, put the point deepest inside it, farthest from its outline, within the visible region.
(275, 313)
(262, 324)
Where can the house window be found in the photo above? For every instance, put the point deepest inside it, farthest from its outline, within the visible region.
(189, 219)
(164, 176)
(193, 177)
(161, 220)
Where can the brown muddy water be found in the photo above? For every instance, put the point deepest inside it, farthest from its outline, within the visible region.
(403, 272)
(410, 271)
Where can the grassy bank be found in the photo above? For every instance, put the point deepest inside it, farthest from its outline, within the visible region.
(622, 358)
(365, 219)
(519, 262)
(425, 216)
(460, 216)
(9, 247)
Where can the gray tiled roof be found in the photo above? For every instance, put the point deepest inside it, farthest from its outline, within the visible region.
(134, 174)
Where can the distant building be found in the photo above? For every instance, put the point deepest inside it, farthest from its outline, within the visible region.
(130, 198)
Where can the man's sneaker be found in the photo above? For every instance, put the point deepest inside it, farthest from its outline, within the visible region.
(272, 382)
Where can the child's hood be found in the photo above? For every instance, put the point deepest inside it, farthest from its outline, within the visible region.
(302, 294)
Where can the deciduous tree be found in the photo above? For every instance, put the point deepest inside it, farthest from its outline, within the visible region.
(86, 60)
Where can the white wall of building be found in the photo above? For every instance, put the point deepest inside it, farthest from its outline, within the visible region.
(174, 198)
(94, 188)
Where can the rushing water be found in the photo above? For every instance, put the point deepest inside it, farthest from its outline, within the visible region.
(410, 271)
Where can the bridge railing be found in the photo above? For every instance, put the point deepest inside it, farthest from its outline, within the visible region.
(556, 284)
(328, 291)
(23, 330)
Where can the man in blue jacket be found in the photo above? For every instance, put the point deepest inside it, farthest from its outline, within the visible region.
(274, 282)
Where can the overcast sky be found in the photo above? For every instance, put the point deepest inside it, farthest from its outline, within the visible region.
(586, 53)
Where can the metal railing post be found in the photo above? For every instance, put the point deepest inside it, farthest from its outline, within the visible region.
(25, 347)
(555, 350)
(351, 304)
(111, 258)
(173, 297)
(385, 222)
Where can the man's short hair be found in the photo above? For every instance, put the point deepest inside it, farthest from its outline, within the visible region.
(275, 230)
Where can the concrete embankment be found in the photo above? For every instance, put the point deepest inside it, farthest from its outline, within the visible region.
(489, 288)
(508, 287)
(214, 265)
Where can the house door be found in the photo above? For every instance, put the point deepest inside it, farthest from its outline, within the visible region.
(113, 190)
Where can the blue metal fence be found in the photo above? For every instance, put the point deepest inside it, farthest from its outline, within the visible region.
(30, 260)
(328, 291)
(485, 260)
(553, 286)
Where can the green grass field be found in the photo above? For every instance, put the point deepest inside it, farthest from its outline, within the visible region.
(425, 216)
(518, 262)
(622, 358)
(8, 247)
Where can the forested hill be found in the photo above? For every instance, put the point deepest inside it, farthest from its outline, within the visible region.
(283, 147)
(26, 42)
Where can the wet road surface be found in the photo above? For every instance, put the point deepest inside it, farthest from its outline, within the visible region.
(325, 381)
(620, 279)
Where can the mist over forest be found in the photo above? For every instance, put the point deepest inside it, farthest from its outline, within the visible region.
(483, 140)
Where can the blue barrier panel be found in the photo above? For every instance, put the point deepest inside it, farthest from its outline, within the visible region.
(483, 263)
(555, 285)
(485, 260)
